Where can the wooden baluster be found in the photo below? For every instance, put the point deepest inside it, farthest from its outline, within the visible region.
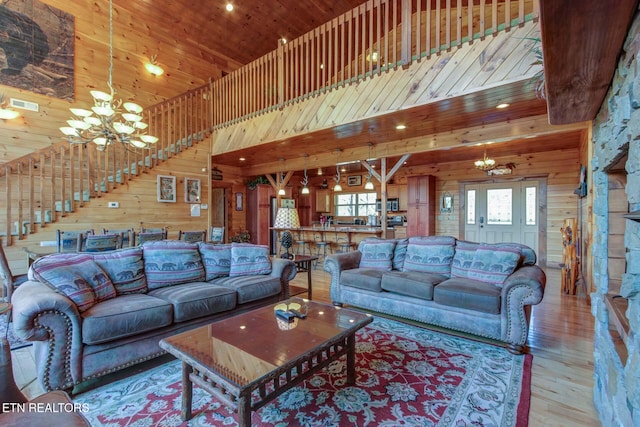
(418, 27)
(482, 19)
(459, 23)
(507, 14)
(470, 20)
(7, 191)
(405, 52)
(494, 16)
(20, 203)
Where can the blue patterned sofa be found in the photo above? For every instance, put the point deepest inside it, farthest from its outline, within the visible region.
(90, 314)
(480, 289)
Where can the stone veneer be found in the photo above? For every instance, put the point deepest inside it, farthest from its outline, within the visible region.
(616, 132)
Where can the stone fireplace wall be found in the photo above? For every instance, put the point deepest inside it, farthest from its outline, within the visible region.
(616, 133)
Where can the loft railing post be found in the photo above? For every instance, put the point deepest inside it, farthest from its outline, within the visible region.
(280, 76)
(405, 54)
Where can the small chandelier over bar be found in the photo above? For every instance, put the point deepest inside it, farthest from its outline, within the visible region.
(486, 164)
(106, 122)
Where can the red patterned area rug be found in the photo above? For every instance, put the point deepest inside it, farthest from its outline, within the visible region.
(406, 376)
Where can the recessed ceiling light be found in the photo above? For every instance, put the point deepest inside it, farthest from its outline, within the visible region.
(503, 105)
(242, 159)
(229, 7)
(400, 127)
(283, 40)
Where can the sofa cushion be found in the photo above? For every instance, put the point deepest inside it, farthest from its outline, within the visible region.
(251, 288)
(216, 259)
(125, 268)
(249, 260)
(469, 294)
(463, 258)
(412, 283)
(171, 262)
(363, 278)
(377, 254)
(400, 253)
(494, 263)
(430, 254)
(77, 276)
(196, 299)
(124, 316)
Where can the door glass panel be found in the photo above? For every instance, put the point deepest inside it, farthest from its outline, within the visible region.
(499, 206)
(471, 207)
(531, 206)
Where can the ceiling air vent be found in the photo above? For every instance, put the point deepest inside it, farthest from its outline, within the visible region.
(24, 105)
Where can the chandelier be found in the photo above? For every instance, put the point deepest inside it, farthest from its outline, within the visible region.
(106, 122)
(486, 164)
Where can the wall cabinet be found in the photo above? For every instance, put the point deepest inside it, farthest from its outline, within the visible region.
(323, 201)
(398, 191)
(421, 205)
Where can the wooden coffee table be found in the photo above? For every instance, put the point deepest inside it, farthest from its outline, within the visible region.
(247, 360)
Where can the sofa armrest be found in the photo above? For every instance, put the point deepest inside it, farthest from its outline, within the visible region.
(336, 264)
(286, 270)
(42, 314)
(522, 289)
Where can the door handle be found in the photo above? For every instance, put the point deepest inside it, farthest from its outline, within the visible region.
(481, 222)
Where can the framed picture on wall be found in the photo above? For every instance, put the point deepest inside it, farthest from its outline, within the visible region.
(191, 190)
(238, 201)
(166, 189)
(354, 180)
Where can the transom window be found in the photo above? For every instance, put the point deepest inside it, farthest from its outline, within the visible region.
(355, 204)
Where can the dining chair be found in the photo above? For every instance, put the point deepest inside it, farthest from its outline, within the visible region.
(70, 241)
(101, 242)
(140, 238)
(127, 234)
(216, 235)
(11, 281)
(192, 236)
(162, 230)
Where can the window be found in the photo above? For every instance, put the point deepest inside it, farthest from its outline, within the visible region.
(499, 206)
(355, 204)
(531, 206)
(471, 207)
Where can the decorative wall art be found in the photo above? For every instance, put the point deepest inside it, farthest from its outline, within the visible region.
(238, 201)
(166, 189)
(37, 48)
(191, 190)
(354, 180)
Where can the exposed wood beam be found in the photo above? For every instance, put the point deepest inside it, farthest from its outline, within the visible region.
(510, 130)
(581, 43)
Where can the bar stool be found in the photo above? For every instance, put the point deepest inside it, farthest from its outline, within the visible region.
(301, 242)
(343, 244)
(321, 245)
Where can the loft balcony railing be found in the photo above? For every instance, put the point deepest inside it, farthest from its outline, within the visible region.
(377, 37)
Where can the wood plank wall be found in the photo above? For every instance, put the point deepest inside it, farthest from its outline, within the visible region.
(186, 66)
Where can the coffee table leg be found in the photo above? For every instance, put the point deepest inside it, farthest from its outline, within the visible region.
(351, 360)
(187, 391)
(244, 411)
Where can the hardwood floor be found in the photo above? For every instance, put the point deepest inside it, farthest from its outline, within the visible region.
(560, 340)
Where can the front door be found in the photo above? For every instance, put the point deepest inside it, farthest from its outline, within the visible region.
(502, 212)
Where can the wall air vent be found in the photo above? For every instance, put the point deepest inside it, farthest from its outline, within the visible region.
(24, 105)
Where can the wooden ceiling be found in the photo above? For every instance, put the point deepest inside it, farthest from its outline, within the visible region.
(248, 32)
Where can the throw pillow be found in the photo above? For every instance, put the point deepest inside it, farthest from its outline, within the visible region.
(171, 262)
(494, 263)
(463, 258)
(126, 270)
(216, 259)
(400, 253)
(77, 276)
(377, 254)
(431, 254)
(249, 260)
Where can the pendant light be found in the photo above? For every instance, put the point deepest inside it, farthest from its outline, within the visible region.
(369, 185)
(305, 181)
(337, 187)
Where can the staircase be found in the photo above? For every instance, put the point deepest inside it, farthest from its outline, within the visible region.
(49, 184)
